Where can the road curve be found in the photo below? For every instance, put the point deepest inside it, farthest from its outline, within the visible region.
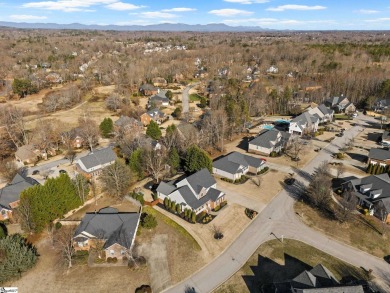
(185, 97)
(278, 219)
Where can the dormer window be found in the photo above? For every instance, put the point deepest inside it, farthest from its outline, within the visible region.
(375, 193)
(365, 188)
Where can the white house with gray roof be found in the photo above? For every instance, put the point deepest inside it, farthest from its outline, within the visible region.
(268, 141)
(234, 165)
(304, 123)
(373, 193)
(93, 163)
(322, 112)
(116, 229)
(197, 192)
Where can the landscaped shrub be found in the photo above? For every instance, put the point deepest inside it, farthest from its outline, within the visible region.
(273, 154)
(217, 208)
(340, 156)
(58, 225)
(139, 196)
(148, 221)
(144, 289)
(200, 216)
(262, 171)
(250, 213)
(227, 180)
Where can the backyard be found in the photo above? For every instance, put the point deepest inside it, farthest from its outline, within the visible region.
(274, 261)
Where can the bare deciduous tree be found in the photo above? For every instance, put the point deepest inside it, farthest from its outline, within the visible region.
(8, 169)
(13, 120)
(320, 187)
(295, 147)
(257, 180)
(116, 179)
(340, 169)
(349, 202)
(89, 131)
(155, 162)
(64, 243)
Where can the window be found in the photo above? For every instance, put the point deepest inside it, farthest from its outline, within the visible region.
(81, 244)
(112, 252)
(122, 252)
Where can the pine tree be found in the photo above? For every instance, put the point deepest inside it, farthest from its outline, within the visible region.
(173, 206)
(381, 169)
(174, 160)
(178, 208)
(197, 159)
(106, 127)
(369, 169)
(374, 169)
(193, 217)
(166, 202)
(135, 163)
(153, 130)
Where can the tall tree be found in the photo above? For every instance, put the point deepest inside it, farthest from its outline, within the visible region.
(116, 179)
(136, 163)
(173, 160)
(106, 127)
(197, 159)
(64, 243)
(14, 122)
(155, 162)
(89, 131)
(23, 87)
(153, 130)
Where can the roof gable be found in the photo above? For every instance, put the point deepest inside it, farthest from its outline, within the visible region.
(98, 157)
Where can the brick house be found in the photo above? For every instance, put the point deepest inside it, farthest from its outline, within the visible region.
(155, 115)
(379, 156)
(93, 163)
(148, 89)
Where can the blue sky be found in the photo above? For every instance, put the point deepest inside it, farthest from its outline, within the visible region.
(274, 14)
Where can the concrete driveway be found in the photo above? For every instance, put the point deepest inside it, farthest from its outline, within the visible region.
(278, 219)
(185, 97)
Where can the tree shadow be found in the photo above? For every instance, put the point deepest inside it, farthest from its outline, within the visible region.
(189, 289)
(368, 224)
(305, 175)
(374, 136)
(362, 168)
(244, 143)
(297, 190)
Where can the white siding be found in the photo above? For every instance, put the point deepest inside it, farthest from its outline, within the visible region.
(226, 174)
(259, 149)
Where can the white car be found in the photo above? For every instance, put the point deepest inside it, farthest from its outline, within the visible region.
(354, 115)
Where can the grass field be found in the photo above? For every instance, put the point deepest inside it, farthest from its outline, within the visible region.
(274, 261)
(194, 97)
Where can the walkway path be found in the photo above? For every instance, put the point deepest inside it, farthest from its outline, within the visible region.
(279, 218)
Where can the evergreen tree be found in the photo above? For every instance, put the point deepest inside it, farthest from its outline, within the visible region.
(17, 256)
(135, 163)
(169, 94)
(148, 221)
(106, 127)
(178, 208)
(369, 169)
(173, 206)
(381, 169)
(170, 129)
(23, 87)
(153, 130)
(166, 202)
(193, 217)
(197, 159)
(174, 160)
(374, 169)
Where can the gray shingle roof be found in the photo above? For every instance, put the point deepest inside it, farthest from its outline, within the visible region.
(325, 110)
(190, 198)
(110, 225)
(325, 276)
(305, 280)
(165, 188)
(342, 289)
(98, 157)
(160, 97)
(201, 179)
(379, 154)
(125, 120)
(265, 137)
(11, 192)
(232, 162)
(155, 113)
(304, 118)
(386, 135)
(148, 87)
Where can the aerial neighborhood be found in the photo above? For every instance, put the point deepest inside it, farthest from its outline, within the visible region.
(194, 162)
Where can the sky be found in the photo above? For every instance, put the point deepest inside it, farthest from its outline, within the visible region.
(273, 14)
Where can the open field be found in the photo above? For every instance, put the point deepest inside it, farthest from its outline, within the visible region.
(364, 232)
(274, 261)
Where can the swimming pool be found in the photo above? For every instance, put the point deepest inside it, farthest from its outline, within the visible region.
(268, 126)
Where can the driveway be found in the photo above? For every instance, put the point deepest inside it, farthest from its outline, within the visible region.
(278, 219)
(185, 97)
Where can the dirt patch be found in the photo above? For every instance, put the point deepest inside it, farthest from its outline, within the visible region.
(157, 258)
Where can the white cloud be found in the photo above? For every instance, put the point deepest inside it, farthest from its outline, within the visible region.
(26, 17)
(157, 14)
(247, 1)
(275, 22)
(122, 6)
(179, 9)
(383, 19)
(295, 7)
(67, 5)
(367, 11)
(230, 12)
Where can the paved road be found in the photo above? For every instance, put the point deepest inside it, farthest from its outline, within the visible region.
(278, 219)
(185, 97)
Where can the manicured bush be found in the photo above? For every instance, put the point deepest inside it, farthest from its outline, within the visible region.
(340, 156)
(139, 196)
(144, 289)
(250, 213)
(273, 154)
(193, 217)
(148, 221)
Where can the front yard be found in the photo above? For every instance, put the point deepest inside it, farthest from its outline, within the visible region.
(364, 232)
(274, 261)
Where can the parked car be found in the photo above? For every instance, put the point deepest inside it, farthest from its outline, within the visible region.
(35, 172)
(354, 115)
(62, 172)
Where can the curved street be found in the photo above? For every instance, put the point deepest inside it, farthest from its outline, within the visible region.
(185, 97)
(278, 219)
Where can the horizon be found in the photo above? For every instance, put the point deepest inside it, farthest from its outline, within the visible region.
(268, 14)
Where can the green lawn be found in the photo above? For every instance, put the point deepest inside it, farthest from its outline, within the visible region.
(363, 232)
(274, 261)
(342, 117)
(173, 224)
(194, 97)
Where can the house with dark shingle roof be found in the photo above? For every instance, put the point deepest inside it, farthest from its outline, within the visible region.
(386, 137)
(197, 192)
(235, 164)
(158, 100)
(155, 114)
(148, 89)
(127, 124)
(373, 193)
(304, 123)
(10, 194)
(268, 141)
(317, 280)
(379, 156)
(93, 163)
(340, 104)
(115, 229)
(322, 112)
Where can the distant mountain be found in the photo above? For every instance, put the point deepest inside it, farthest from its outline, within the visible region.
(168, 27)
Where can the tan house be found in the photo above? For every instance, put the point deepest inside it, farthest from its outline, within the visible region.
(93, 163)
(148, 89)
(115, 230)
(10, 195)
(30, 154)
(159, 81)
(73, 137)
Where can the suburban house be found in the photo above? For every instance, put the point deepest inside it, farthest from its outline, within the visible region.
(340, 104)
(116, 229)
(147, 142)
(323, 113)
(128, 124)
(159, 81)
(235, 164)
(29, 154)
(386, 137)
(379, 156)
(148, 89)
(155, 115)
(158, 100)
(381, 104)
(272, 69)
(188, 132)
(318, 279)
(93, 163)
(10, 194)
(197, 192)
(373, 193)
(74, 136)
(268, 141)
(304, 123)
